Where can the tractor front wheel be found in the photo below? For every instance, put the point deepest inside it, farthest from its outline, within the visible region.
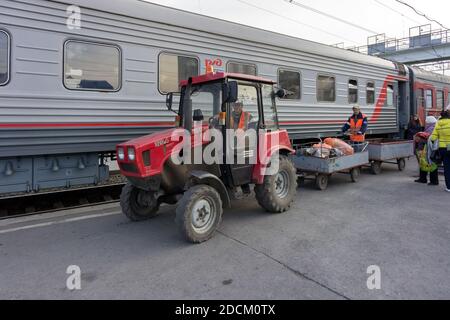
(199, 213)
(277, 192)
(138, 204)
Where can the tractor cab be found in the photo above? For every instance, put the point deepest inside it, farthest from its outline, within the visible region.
(226, 139)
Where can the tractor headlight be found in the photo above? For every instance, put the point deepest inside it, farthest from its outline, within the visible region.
(131, 154)
(120, 153)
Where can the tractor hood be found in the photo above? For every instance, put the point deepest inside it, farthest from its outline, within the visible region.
(152, 140)
(145, 156)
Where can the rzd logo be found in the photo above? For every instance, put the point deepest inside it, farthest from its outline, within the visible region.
(214, 63)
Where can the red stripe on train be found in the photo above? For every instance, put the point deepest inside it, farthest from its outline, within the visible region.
(82, 125)
(376, 114)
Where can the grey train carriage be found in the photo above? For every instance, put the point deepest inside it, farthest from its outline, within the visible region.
(78, 77)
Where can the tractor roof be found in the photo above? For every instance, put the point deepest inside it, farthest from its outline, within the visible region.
(223, 75)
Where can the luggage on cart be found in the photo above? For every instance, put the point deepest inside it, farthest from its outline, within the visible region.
(322, 168)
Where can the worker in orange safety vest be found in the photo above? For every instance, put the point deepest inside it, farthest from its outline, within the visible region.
(239, 118)
(357, 125)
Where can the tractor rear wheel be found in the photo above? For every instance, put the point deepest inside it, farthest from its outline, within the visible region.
(138, 204)
(199, 213)
(276, 194)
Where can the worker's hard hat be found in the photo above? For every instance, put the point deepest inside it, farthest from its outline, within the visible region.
(356, 107)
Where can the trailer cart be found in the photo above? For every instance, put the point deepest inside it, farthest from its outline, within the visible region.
(389, 151)
(321, 169)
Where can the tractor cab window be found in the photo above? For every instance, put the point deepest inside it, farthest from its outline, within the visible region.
(206, 102)
(270, 113)
(244, 112)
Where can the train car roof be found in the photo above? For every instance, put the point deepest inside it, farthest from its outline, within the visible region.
(158, 13)
(430, 76)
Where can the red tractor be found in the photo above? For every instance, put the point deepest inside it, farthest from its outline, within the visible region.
(203, 189)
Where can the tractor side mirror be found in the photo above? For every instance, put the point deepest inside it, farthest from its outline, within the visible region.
(169, 101)
(281, 93)
(230, 92)
(198, 115)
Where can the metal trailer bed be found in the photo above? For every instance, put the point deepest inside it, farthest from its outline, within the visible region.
(389, 151)
(323, 168)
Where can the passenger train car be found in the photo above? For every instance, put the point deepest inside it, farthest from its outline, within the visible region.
(78, 77)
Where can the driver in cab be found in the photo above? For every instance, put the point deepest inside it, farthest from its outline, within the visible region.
(239, 119)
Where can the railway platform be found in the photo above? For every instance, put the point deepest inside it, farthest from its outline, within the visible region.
(321, 249)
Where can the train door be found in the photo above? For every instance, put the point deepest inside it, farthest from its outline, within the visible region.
(420, 104)
(404, 112)
(448, 97)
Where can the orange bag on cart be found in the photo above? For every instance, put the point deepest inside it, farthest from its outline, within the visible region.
(322, 146)
(341, 145)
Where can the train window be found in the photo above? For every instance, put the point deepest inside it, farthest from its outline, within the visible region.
(326, 89)
(91, 66)
(429, 99)
(352, 91)
(370, 93)
(4, 58)
(173, 69)
(440, 100)
(420, 97)
(390, 95)
(290, 81)
(244, 68)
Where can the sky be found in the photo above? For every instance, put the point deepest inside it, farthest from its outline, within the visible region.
(365, 17)
(284, 17)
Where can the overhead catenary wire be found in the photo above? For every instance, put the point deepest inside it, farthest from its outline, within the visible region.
(421, 13)
(301, 5)
(296, 21)
(396, 11)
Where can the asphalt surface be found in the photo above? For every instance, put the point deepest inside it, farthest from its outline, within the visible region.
(321, 249)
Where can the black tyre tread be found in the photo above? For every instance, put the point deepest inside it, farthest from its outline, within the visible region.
(183, 209)
(376, 167)
(264, 195)
(319, 186)
(125, 203)
(401, 163)
(355, 173)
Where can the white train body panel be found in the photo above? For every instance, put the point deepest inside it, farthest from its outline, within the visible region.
(37, 101)
(40, 117)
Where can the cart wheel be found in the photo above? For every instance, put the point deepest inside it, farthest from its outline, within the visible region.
(401, 164)
(354, 174)
(322, 182)
(376, 167)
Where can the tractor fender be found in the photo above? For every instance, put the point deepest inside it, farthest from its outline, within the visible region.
(202, 177)
(259, 170)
